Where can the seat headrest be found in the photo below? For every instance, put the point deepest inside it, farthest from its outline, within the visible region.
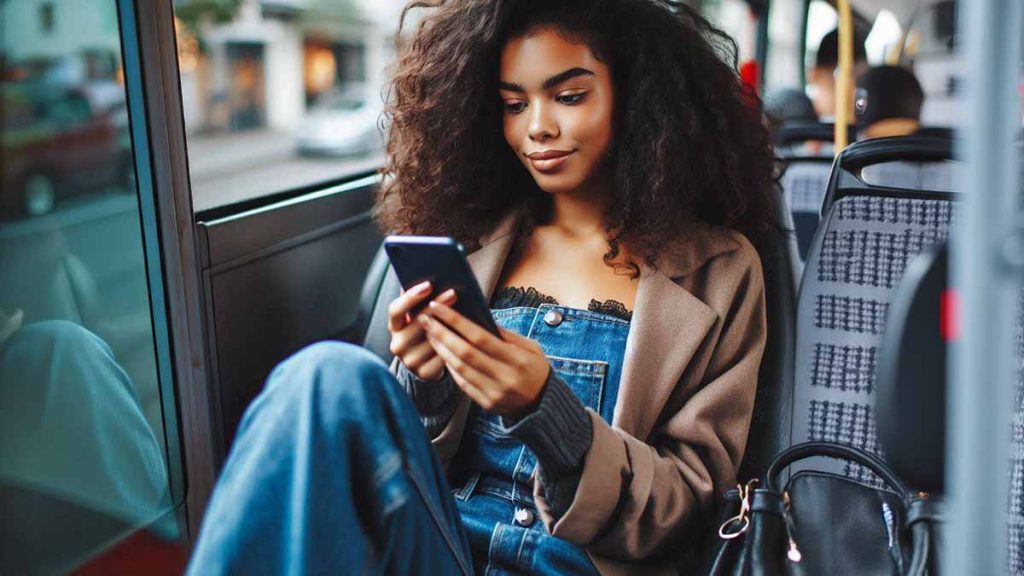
(911, 394)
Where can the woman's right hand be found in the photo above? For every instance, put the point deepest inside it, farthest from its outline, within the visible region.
(408, 339)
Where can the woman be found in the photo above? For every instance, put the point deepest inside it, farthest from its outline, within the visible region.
(597, 157)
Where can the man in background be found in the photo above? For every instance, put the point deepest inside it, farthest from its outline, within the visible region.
(893, 101)
(821, 78)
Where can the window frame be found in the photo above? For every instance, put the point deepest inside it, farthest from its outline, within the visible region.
(149, 57)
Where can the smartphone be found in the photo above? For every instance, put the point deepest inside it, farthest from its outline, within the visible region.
(441, 261)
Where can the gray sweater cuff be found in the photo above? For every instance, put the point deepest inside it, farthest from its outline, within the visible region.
(558, 431)
(435, 400)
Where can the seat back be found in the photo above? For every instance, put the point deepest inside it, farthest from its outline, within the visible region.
(867, 236)
(804, 182)
(379, 289)
(911, 402)
(773, 406)
(805, 174)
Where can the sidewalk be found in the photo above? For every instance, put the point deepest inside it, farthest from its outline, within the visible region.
(213, 155)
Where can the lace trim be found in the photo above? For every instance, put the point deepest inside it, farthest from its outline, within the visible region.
(515, 296)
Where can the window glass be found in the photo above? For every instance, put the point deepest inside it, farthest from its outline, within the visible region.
(83, 448)
(281, 94)
(821, 19)
(736, 19)
(785, 21)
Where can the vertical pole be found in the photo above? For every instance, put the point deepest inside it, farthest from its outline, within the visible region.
(982, 363)
(844, 83)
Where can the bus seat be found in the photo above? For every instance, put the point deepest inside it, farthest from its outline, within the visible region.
(860, 251)
(368, 298)
(911, 403)
(912, 175)
(773, 405)
(805, 174)
(379, 289)
(804, 182)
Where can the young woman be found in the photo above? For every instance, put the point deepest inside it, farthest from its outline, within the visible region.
(603, 163)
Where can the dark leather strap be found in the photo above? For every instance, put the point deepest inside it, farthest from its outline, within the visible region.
(816, 449)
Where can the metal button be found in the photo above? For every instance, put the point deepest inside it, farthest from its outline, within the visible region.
(524, 517)
(553, 318)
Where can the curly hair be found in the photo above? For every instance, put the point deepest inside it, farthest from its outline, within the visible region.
(688, 143)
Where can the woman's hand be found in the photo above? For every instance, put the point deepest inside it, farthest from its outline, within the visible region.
(504, 377)
(408, 340)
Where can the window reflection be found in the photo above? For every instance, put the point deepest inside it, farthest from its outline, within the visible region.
(82, 442)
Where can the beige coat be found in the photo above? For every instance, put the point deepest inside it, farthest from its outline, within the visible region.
(684, 403)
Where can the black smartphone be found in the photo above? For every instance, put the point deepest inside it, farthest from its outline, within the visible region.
(441, 261)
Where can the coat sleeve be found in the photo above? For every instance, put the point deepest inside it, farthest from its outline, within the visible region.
(636, 498)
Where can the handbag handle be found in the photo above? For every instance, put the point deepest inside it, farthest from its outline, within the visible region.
(813, 449)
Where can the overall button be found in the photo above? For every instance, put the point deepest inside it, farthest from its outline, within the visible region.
(524, 517)
(553, 318)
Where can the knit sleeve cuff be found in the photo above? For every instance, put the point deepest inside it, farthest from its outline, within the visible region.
(558, 430)
(435, 400)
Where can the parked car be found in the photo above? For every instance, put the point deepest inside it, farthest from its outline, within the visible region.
(342, 122)
(56, 144)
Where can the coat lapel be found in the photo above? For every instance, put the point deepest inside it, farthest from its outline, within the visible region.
(488, 261)
(669, 324)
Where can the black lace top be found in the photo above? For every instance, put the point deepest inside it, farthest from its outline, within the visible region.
(514, 296)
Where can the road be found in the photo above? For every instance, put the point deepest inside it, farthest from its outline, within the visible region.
(230, 168)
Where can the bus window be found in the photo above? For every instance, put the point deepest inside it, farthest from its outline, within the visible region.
(930, 48)
(281, 95)
(736, 19)
(85, 416)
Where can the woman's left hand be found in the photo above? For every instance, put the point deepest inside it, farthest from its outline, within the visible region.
(504, 377)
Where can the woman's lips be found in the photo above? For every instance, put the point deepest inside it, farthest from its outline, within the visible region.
(549, 160)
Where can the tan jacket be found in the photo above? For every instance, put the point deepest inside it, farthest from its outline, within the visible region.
(683, 407)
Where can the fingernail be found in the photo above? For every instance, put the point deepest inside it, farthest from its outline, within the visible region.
(421, 287)
(448, 295)
(423, 320)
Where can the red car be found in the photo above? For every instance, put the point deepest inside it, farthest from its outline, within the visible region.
(55, 145)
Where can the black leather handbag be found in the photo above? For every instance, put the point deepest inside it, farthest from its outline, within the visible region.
(824, 523)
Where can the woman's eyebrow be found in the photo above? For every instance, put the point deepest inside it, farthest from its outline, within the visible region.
(553, 81)
(563, 76)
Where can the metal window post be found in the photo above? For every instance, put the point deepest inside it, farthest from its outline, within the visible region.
(983, 361)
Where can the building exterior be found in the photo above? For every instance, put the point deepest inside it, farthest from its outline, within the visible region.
(268, 65)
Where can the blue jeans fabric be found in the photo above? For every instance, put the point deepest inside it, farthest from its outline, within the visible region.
(331, 470)
(586, 350)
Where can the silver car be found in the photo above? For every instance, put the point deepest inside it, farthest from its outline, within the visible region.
(342, 122)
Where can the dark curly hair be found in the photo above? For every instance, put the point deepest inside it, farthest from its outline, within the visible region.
(688, 143)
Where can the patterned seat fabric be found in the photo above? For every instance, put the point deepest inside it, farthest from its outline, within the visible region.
(848, 284)
(804, 183)
(1016, 504)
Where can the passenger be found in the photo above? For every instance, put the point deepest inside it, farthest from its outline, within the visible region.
(893, 101)
(601, 161)
(821, 78)
(790, 106)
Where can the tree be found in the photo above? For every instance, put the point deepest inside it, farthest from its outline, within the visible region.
(193, 13)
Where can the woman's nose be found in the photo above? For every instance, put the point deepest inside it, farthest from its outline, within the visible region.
(542, 125)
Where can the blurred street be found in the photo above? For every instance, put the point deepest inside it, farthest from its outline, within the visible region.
(229, 168)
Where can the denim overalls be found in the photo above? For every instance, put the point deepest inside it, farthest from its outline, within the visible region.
(496, 500)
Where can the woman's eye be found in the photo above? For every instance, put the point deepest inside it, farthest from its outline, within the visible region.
(571, 99)
(514, 107)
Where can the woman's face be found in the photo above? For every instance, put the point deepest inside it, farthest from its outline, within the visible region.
(557, 99)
